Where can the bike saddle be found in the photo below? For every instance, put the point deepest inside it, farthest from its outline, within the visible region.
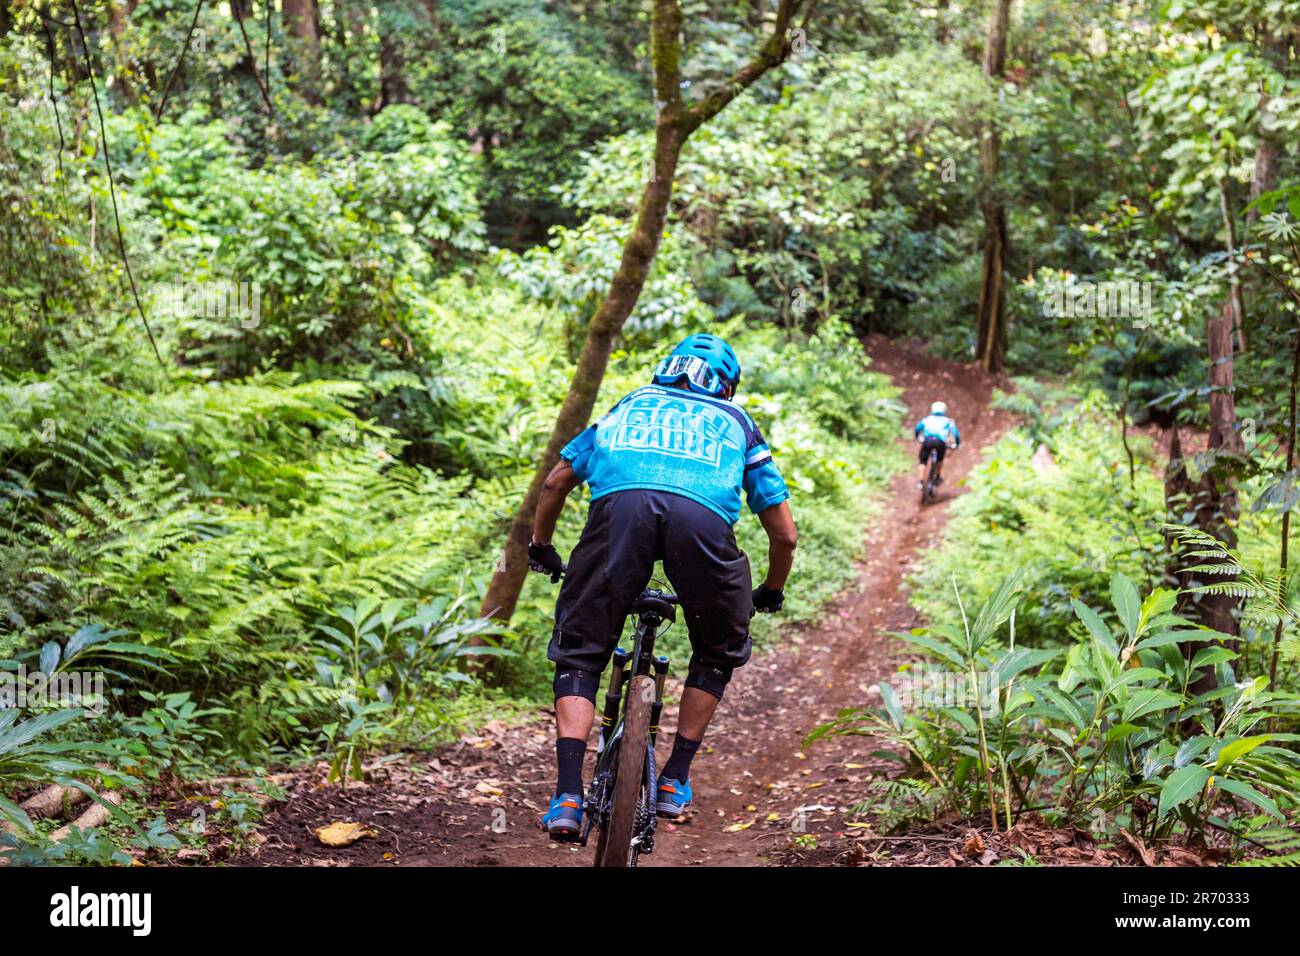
(659, 603)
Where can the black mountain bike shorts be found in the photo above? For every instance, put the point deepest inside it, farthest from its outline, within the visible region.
(626, 532)
(932, 444)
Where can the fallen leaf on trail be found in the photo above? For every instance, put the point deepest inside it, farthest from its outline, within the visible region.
(343, 834)
(1147, 857)
(858, 826)
(484, 786)
(737, 827)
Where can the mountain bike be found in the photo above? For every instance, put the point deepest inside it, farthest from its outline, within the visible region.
(931, 484)
(620, 803)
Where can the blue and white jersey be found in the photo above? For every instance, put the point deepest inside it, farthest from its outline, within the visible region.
(669, 439)
(938, 426)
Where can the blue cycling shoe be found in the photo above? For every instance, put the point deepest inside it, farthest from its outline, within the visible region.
(673, 798)
(563, 819)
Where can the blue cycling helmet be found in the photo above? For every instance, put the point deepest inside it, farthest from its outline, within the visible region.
(706, 363)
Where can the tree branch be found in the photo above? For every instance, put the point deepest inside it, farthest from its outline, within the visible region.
(774, 51)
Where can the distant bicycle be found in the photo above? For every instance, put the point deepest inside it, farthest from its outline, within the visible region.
(931, 484)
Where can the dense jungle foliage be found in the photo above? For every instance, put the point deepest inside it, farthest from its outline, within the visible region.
(288, 318)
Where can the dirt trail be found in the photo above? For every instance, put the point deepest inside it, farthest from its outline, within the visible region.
(476, 803)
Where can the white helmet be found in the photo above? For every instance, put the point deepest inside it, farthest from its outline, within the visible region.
(938, 408)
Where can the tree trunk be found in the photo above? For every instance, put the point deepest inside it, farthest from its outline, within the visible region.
(990, 347)
(1268, 152)
(392, 72)
(674, 123)
(1235, 299)
(119, 16)
(1283, 561)
(300, 23)
(1212, 499)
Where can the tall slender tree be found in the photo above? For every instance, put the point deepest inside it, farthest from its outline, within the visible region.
(1212, 498)
(990, 347)
(675, 121)
(300, 23)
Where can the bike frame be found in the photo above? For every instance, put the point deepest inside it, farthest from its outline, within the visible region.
(600, 794)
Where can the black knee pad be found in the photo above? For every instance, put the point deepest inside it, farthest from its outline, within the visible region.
(571, 682)
(708, 677)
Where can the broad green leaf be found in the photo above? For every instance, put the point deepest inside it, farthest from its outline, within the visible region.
(893, 706)
(1124, 595)
(1157, 603)
(1192, 748)
(1120, 731)
(1182, 785)
(939, 648)
(1072, 674)
(1211, 656)
(1148, 700)
(50, 657)
(15, 815)
(29, 730)
(1238, 748)
(959, 716)
(1247, 792)
(1160, 638)
(1096, 627)
(1061, 735)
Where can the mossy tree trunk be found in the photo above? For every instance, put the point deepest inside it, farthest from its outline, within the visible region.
(990, 345)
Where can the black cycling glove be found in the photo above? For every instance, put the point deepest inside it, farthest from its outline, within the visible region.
(544, 558)
(766, 600)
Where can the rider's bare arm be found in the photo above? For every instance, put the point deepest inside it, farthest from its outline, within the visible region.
(559, 483)
(782, 536)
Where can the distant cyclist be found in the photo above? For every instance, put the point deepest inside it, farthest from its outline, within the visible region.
(935, 431)
(667, 468)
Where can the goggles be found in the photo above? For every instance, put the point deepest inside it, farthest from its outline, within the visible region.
(697, 371)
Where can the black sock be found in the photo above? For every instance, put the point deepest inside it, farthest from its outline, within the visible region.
(678, 766)
(569, 752)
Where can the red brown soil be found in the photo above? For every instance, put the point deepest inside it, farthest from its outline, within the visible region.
(476, 803)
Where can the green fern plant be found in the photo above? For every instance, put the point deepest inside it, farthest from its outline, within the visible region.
(1281, 842)
(901, 803)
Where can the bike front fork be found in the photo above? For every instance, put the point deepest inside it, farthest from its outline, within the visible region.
(618, 678)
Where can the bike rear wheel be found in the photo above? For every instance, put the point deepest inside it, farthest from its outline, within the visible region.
(614, 848)
(928, 486)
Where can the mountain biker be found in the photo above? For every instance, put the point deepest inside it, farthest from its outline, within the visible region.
(667, 467)
(934, 431)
